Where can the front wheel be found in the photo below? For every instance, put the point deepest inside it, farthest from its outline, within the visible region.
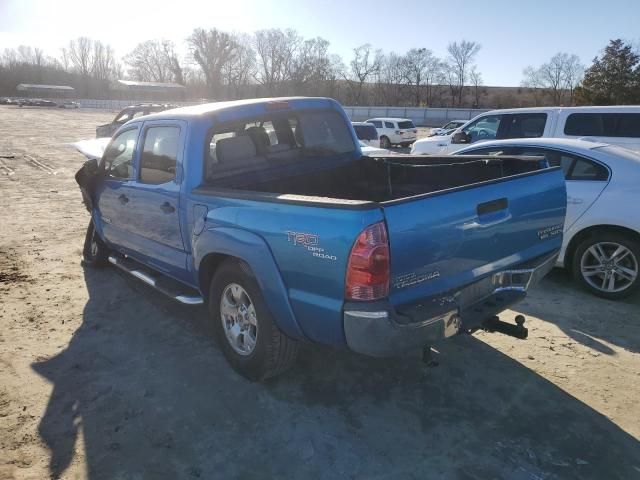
(606, 264)
(250, 340)
(94, 253)
(385, 142)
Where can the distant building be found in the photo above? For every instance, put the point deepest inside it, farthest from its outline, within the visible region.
(31, 90)
(154, 91)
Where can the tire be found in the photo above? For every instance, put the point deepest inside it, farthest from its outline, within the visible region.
(94, 253)
(406, 144)
(385, 142)
(603, 256)
(260, 350)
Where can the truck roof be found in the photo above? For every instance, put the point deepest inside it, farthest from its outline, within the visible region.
(251, 106)
(594, 109)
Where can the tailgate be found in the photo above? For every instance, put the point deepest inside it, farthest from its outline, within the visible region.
(444, 240)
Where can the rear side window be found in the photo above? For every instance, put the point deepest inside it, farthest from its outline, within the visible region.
(526, 125)
(407, 124)
(159, 155)
(388, 125)
(573, 166)
(603, 125)
(366, 132)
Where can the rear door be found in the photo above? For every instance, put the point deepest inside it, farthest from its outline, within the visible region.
(155, 203)
(448, 239)
(586, 179)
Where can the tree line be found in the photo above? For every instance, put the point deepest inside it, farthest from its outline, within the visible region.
(271, 62)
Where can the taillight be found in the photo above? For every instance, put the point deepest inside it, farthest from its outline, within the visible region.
(368, 266)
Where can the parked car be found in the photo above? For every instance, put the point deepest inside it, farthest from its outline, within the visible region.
(129, 113)
(367, 134)
(69, 104)
(36, 102)
(447, 128)
(369, 151)
(394, 131)
(613, 125)
(304, 239)
(601, 244)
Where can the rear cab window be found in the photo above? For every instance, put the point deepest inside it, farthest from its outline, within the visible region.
(275, 140)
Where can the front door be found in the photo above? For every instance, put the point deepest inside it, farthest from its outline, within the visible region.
(114, 192)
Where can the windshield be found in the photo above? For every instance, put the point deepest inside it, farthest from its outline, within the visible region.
(451, 125)
(406, 124)
(366, 132)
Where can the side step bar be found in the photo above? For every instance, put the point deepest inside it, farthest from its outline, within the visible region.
(167, 286)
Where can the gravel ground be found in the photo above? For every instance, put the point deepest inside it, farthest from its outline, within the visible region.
(103, 378)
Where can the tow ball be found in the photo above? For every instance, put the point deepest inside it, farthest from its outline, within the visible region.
(494, 324)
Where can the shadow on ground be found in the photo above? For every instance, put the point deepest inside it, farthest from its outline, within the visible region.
(577, 317)
(151, 395)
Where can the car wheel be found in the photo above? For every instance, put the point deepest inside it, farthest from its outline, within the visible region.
(94, 253)
(385, 142)
(606, 264)
(250, 340)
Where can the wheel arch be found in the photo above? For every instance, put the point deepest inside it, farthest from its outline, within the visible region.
(591, 231)
(216, 245)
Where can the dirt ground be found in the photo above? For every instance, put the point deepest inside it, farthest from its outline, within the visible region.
(103, 378)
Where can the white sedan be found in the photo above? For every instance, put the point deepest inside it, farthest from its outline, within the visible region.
(601, 245)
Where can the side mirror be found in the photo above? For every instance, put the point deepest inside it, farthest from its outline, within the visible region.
(461, 137)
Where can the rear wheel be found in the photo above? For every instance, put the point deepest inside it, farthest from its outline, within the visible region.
(385, 142)
(94, 253)
(607, 264)
(250, 340)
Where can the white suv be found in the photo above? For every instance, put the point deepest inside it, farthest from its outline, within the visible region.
(613, 125)
(395, 131)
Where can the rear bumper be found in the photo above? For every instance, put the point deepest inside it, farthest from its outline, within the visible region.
(378, 329)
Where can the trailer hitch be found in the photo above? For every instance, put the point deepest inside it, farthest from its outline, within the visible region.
(494, 324)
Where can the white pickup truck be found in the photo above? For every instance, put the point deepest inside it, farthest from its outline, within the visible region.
(613, 125)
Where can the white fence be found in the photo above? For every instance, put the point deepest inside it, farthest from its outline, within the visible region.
(427, 117)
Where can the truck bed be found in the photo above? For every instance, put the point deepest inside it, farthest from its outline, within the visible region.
(384, 179)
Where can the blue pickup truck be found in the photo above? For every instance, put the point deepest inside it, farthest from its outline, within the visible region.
(266, 211)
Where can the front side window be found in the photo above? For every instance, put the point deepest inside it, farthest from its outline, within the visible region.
(159, 154)
(118, 158)
(484, 128)
(526, 125)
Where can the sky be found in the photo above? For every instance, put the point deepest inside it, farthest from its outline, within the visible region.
(513, 34)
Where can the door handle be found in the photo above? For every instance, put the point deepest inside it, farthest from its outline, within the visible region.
(123, 199)
(166, 207)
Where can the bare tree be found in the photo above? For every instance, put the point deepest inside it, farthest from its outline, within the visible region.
(420, 69)
(476, 82)
(557, 77)
(154, 61)
(366, 64)
(212, 50)
(276, 52)
(240, 72)
(80, 54)
(104, 62)
(461, 59)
